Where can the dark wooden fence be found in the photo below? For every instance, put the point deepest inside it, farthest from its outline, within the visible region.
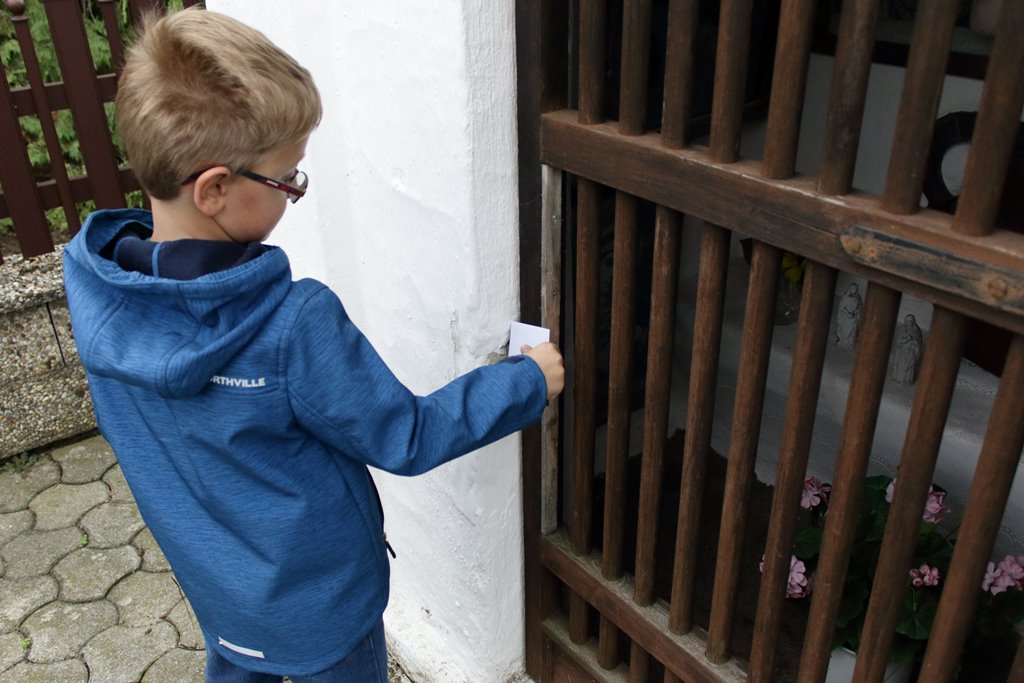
(26, 197)
(589, 593)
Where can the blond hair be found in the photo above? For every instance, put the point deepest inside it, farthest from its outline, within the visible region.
(201, 89)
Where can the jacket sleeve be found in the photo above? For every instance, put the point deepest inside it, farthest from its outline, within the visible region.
(342, 392)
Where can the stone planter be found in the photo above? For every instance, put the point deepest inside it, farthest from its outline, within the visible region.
(44, 396)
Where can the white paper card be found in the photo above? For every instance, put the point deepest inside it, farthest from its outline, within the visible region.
(521, 333)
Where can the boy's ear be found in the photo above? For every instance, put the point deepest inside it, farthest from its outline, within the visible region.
(210, 190)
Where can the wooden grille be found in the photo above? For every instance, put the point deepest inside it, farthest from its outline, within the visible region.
(25, 197)
(604, 165)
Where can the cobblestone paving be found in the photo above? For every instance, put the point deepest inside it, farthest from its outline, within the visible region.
(86, 596)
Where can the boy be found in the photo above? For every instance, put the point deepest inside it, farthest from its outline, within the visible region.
(244, 407)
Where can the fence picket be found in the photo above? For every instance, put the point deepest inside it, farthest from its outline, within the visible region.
(46, 121)
(865, 394)
(996, 128)
(730, 79)
(849, 91)
(17, 181)
(75, 58)
(766, 262)
(801, 404)
(707, 337)
(679, 76)
(926, 73)
(917, 466)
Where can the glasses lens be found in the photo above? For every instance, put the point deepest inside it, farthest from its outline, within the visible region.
(300, 182)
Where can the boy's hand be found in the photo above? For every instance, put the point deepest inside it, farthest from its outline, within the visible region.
(549, 358)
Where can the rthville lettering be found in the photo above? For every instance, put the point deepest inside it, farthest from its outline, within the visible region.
(239, 382)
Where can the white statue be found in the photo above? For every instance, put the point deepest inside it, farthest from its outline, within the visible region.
(848, 317)
(906, 356)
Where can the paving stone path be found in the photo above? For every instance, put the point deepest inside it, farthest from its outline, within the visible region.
(86, 596)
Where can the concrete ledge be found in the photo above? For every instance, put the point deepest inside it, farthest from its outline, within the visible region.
(44, 396)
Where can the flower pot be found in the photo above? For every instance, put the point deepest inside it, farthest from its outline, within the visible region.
(842, 661)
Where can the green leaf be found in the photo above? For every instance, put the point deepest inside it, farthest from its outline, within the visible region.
(904, 649)
(808, 542)
(854, 603)
(918, 613)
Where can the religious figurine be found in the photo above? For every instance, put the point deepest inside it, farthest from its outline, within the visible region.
(906, 356)
(848, 317)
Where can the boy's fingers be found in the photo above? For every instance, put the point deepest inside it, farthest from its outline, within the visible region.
(525, 348)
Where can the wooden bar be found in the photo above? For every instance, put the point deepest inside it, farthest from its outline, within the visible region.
(557, 631)
(80, 191)
(639, 664)
(76, 64)
(752, 373)
(636, 33)
(541, 34)
(791, 212)
(57, 97)
(996, 128)
(645, 625)
(585, 381)
(730, 79)
(926, 74)
(866, 385)
(636, 26)
(620, 369)
(986, 503)
(679, 72)
(607, 644)
(785, 107)
(917, 465)
(804, 384)
(593, 24)
(26, 212)
(661, 335)
(585, 373)
(108, 8)
(551, 318)
(58, 170)
(671, 677)
(707, 337)
(579, 613)
(854, 48)
(667, 237)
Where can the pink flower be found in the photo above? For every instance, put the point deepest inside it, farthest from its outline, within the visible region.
(934, 510)
(997, 581)
(1011, 566)
(934, 507)
(814, 494)
(924, 576)
(798, 584)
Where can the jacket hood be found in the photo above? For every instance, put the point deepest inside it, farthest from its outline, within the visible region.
(169, 336)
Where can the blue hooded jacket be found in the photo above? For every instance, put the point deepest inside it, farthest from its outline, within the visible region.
(243, 408)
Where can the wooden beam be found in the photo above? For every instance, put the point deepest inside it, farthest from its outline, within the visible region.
(647, 626)
(784, 213)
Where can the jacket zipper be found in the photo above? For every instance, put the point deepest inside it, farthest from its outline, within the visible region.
(380, 506)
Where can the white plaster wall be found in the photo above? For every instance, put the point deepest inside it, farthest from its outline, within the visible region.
(412, 219)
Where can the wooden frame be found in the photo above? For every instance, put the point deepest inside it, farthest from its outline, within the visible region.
(581, 602)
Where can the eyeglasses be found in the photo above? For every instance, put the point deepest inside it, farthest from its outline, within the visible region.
(294, 192)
